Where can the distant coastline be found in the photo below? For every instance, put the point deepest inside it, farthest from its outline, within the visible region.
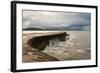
(51, 29)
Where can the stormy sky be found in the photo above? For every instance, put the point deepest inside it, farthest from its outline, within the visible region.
(56, 20)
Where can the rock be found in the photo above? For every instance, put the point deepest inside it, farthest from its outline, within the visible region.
(33, 55)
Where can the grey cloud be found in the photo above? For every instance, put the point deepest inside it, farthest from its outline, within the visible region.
(41, 19)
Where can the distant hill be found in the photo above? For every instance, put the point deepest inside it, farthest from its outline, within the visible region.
(30, 29)
(70, 28)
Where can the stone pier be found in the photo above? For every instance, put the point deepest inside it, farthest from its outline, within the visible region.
(35, 43)
(41, 41)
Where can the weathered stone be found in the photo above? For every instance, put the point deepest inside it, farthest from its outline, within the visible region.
(33, 55)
